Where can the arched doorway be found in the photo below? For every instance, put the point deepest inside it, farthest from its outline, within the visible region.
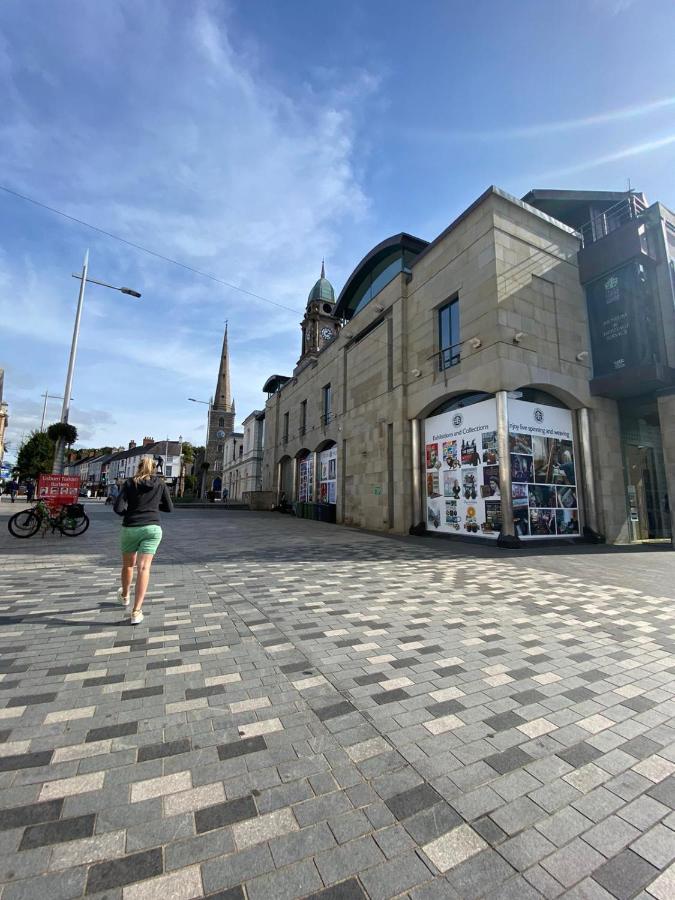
(327, 472)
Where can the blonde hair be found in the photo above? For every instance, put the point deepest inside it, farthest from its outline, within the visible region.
(146, 468)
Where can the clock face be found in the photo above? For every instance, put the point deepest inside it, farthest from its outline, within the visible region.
(220, 434)
(326, 333)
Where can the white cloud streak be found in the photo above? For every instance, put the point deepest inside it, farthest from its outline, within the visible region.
(146, 120)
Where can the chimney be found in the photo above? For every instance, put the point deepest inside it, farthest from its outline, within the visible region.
(148, 441)
(132, 444)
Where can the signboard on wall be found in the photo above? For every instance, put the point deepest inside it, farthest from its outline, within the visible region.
(462, 491)
(543, 473)
(621, 320)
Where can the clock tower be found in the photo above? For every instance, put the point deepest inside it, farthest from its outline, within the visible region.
(319, 325)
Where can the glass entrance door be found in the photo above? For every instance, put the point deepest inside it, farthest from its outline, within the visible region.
(648, 510)
(647, 498)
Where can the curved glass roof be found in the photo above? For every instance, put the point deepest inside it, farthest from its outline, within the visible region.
(375, 271)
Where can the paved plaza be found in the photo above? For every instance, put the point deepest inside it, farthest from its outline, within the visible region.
(309, 711)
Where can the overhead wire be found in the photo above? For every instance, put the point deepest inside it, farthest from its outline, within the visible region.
(155, 253)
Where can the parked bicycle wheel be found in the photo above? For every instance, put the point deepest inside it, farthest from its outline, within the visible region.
(24, 524)
(72, 526)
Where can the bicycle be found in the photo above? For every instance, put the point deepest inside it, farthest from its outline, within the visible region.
(71, 520)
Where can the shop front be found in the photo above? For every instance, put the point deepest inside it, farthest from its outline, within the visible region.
(478, 458)
(316, 481)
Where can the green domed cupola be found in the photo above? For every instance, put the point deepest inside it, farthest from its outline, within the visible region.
(322, 290)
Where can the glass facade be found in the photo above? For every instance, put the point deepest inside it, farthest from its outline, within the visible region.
(380, 276)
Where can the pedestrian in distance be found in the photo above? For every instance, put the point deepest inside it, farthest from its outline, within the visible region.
(30, 490)
(13, 487)
(140, 500)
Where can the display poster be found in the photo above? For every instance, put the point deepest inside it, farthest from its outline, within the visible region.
(462, 491)
(306, 479)
(58, 490)
(328, 475)
(543, 474)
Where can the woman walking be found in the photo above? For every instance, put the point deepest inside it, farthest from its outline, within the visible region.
(139, 501)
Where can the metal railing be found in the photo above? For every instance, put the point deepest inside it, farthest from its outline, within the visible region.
(448, 356)
(631, 207)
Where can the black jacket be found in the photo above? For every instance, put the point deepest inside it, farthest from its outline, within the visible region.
(140, 501)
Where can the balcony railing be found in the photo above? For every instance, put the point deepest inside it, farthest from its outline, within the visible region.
(631, 207)
(448, 356)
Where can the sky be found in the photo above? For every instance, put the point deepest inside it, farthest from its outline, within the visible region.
(250, 140)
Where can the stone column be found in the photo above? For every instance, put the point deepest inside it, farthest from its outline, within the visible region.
(507, 536)
(294, 488)
(418, 517)
(277, 486)
(315, 477)
(666, 406)
(587, 475)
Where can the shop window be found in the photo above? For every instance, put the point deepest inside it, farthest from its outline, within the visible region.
(448, 335)
(285, 431)
(327, 405)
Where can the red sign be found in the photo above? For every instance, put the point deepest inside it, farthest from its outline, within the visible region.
(58, 490)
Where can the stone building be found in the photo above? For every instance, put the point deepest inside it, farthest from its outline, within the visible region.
(477, 385)
(242, 458)
(220, 423)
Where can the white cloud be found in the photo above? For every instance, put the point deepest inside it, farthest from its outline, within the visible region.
(149, 122)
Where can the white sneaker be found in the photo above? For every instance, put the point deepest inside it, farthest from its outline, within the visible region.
(136, 618)
(121, 599)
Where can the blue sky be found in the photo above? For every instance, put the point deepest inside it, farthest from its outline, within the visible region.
(250, 140)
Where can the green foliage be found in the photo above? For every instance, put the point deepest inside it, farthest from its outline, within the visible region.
(190, 484)
(36, 455)
(188, 453)
(205, 466)
(62, 431)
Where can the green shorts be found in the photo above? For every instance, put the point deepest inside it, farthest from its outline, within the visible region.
(140, 538)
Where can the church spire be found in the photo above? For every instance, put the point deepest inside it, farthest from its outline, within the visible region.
(323, 271)
(222, 399)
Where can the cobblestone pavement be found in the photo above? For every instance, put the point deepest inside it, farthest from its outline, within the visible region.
(310, 711)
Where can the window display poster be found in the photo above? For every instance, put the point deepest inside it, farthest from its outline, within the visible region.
(306, 479)
(462, 472)
(543, 475)
(328, 475)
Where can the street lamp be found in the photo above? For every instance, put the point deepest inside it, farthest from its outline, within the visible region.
(208, 403)
(65, 410)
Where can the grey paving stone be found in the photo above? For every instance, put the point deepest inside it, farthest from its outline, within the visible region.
(307, 842)
(127, 870)
(624, 875)
(657, 846)
(229, 871)
(526, 849)
(573, 862)
(392, 878)
(611, 835)
(482, 873)
(178, 855)
(292, 881)
(348, 859)
(346, 890)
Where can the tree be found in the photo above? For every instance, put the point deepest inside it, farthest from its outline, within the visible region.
(36, 455)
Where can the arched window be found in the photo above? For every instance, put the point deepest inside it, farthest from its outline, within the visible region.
(460, 401)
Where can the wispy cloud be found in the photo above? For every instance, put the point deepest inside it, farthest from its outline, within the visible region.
(625, 153)
(154, 125)
(546, 129)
